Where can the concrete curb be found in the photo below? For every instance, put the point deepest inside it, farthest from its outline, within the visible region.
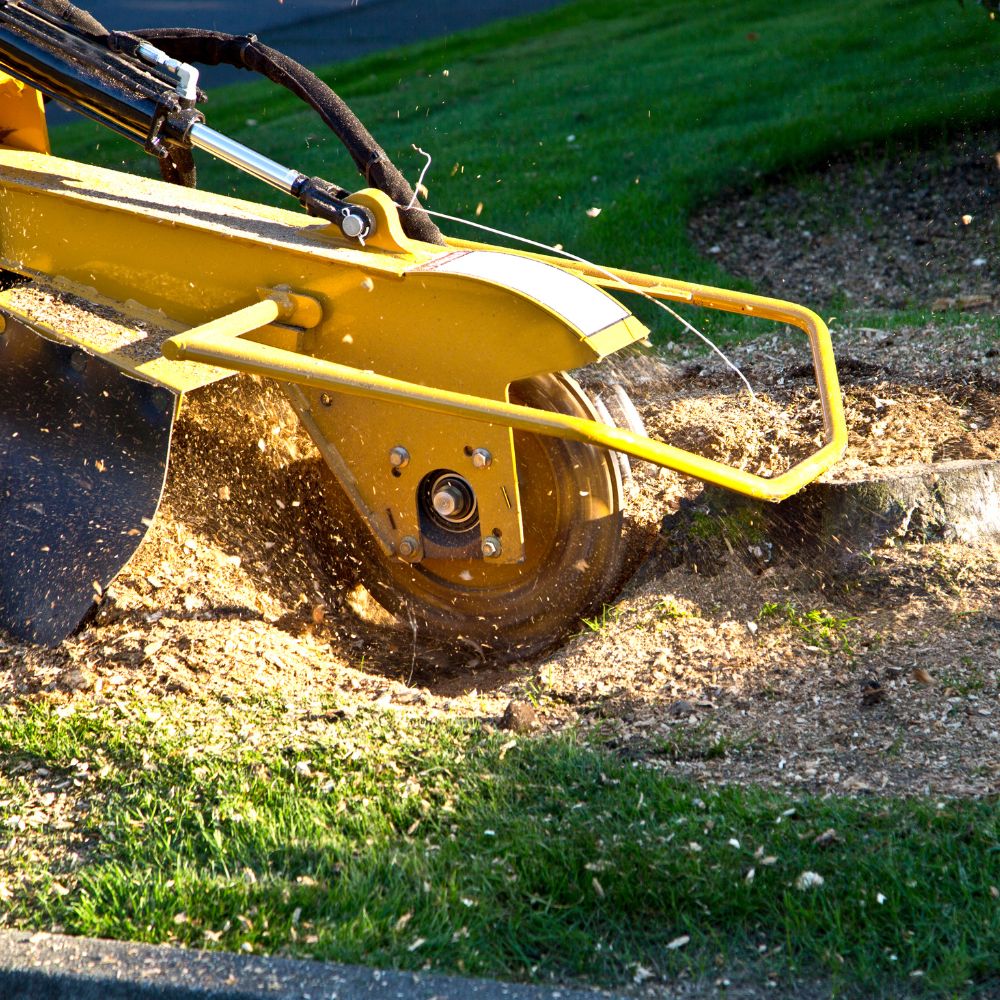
(58, 967)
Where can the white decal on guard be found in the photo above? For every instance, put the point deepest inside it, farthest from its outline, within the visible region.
(578, 302)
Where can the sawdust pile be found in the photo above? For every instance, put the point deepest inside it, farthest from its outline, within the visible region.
(777, 673)
(244, 588)
(912, 395)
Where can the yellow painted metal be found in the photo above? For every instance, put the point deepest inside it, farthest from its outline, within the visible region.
(321, 375)
(388, 233)
(202, 254)
(324, 375)
(189, 257)
(744, 303)
(132, 336)
(255, 319)
(126, 334)
(22, 116)
(375, 334)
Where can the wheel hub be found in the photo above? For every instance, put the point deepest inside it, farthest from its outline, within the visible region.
(449, 500)
(460, 591)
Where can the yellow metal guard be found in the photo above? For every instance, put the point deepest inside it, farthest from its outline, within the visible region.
(219, 343)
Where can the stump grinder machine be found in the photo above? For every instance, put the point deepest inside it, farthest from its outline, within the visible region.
(430, 372)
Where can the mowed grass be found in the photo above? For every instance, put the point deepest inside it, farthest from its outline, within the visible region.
(398, 841)
(641, 110)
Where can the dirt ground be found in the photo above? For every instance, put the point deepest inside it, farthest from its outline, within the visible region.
(760, 667)
(898, 228)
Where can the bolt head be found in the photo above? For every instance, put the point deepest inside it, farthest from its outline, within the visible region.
(491, 547)
(481, 459)
(408, 547)
(399, 457)
(353, 225)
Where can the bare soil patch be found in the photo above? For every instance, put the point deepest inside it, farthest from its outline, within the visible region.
(235, 592)
(902, 228)
(729, 663)
(750, 667)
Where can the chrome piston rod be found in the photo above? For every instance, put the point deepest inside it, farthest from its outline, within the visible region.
(246, 159)
(319, 198)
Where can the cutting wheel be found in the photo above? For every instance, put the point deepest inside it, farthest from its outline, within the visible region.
(574, 548)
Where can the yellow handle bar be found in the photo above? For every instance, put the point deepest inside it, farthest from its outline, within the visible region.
(219, 343)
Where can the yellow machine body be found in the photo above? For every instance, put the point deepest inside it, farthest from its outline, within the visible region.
(158, 260)
(22, 116)
(398, 355)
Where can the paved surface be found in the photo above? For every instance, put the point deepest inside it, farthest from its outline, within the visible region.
(55, 967)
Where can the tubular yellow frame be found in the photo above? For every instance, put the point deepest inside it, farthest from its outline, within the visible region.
(219, 343)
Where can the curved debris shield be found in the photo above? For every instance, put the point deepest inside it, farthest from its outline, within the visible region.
(83, 458)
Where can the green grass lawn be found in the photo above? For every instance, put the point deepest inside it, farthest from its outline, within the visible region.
(411, 842)
(392, 840)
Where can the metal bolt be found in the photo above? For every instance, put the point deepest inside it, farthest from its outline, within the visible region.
(409, 547)
(399, 457)
(448, 500)
(491, 547)
(351, 225)
(481, 459)
(354, 225)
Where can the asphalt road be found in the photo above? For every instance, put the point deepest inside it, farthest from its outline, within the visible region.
(56, 967)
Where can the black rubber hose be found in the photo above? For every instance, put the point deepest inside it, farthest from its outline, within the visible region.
(212, 48)
(79, 19)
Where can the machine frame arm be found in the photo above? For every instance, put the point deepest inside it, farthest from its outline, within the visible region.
(221, 343)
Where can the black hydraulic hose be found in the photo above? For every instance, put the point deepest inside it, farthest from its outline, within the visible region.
(44, 68)
(78, 18)
(212, 48)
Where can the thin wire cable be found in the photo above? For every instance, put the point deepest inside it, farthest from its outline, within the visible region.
(580, 260)
(420, 179)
